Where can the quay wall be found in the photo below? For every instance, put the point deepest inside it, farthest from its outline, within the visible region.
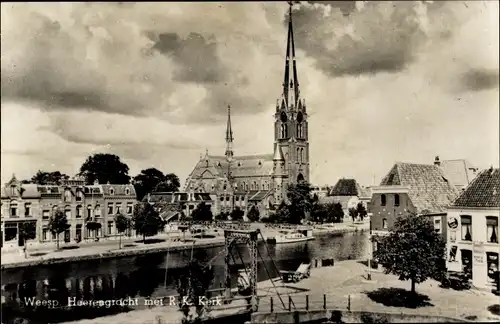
(344, 316)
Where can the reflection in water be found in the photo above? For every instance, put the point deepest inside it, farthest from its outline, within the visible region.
(144, 276)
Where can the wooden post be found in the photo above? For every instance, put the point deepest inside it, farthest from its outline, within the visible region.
(349, 302)
(271, 303)
(289, 303)
(307, 302)
(324, 301)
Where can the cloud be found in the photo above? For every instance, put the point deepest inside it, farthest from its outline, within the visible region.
(480, 79)
(373, 38)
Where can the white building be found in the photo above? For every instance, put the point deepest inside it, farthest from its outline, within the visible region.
(472, 238)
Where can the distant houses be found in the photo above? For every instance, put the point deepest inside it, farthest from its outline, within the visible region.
(348, 193)
(472, 238)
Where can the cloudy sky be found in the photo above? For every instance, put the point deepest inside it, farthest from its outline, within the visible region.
(384, 82)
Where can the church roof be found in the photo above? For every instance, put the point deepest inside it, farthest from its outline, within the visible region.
(241, 166)
(429, 189)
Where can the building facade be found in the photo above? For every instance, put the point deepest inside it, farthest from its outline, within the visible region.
(171, 205)
(262, 180)
(79, 202)
(410, 188)
(348, 193)
(472, 238)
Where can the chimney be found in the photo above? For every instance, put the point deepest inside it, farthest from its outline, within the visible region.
(436, 161)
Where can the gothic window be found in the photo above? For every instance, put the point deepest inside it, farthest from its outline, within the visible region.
(302, 156)
(284, 131)
(300, 177)
(298, 154)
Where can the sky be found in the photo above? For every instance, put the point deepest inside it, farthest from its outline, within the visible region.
(384, 82)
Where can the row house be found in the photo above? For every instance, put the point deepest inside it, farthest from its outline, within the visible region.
(472, 239)
(410, 188)
(80, 203)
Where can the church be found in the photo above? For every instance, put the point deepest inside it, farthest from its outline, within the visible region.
(261, 180)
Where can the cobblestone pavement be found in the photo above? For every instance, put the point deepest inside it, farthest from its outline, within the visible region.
(343, 282)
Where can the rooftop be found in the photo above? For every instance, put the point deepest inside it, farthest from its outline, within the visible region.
(484, 191)
(429, 189)
(346, 187)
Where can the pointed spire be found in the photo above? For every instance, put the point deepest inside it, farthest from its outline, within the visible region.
(229, 136)
(278, 153)
(290, 81)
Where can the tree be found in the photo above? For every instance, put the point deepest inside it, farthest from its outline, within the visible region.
(105, 168)
(222, 216)
(146, 220)
(361, 210)
(122, 225)
(202, 213)
(300, 201)
(353, 212)
(58, 224)
(146, 181)
(253, 214)
(170, 183)
(412, 250)
(192, 287)
(48, 178)
(27, 231)
(335, 212)
(237, 214)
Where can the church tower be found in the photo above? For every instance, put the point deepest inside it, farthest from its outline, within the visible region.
(291, 120)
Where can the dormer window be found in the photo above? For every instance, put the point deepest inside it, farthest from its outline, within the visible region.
(111, 191)
(127, 191)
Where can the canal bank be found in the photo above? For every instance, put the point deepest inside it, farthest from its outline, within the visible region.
(12, 260)
(347, 290)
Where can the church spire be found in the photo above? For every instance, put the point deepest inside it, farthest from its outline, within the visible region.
(229, 136)
(290, 82)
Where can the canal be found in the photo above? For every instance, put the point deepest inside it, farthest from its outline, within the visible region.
(146, 276)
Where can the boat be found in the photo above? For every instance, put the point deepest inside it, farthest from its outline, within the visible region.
(291, 236)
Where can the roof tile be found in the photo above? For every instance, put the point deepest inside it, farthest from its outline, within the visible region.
(483, 191)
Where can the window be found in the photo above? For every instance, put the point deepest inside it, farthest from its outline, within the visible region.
(384, 223)
(227, 198)
(89, 211)
(97, 211)
(298, 155)
(67, 195)
(127, 191)
(437, 225)
(110, 228)
(79, 211)
(46, 214)
(225, 186)
(263, 186)
(79, 196)
(466, 222)
(396, 200)
(221, 198)
(45, 234)
(382, 200)
(118, 208)
(492, 229)
(110, 208)
(13, 209)
(27, 209)
(67, 212)
(237, 198)
(130, 208)
(54, 209)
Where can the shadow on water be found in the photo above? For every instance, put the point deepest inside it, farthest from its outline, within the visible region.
(139, 277)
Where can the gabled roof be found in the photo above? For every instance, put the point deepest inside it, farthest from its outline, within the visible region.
(258, 195)
(484, 191)
(24, 191)
(459, 172)
(429, 189)
(346, 187)
(241, 166)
